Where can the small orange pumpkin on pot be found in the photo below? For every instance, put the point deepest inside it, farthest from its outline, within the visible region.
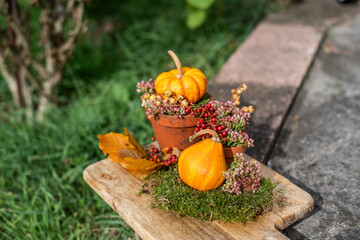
(201, 165)
(189, 82)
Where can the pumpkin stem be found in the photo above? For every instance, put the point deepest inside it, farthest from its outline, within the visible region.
(177, 63)
(214, 135)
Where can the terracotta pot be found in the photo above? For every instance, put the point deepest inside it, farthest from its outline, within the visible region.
(230, 153)
(172, 131)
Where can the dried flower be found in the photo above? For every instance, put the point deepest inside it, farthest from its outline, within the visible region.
(168, 93)
(185, 102)
(172, 100)
(152, 97)
(251, 109)
(242, 177)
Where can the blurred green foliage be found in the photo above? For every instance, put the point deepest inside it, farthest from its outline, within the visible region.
(196, 12)
(42, 193)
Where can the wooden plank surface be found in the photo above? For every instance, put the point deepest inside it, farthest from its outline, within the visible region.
(119, 189)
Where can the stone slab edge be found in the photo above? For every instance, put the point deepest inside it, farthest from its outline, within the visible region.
(273, 61)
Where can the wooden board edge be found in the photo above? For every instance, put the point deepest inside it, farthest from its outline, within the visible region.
(280, 220)
(299, 207)
(112, 200)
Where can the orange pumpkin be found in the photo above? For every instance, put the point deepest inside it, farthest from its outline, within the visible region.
(189, 82)
(201, 165)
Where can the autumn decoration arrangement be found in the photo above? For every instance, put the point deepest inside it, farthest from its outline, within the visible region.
(196, 166)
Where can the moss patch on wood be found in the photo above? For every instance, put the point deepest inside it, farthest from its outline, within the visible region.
(171, 194)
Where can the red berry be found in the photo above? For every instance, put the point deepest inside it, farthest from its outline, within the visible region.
(202, 105)
(187, 111)
(211, 109)
(151, 154)
(214, 115)
(219, 128)
(192, 113)
(156, 150)
(155, 156)
(173, 160)
(179, 179)
(213, 120)
(206, 115)
(198, 110)
(224, 134)
(152, 138)
(224, 139)
(140, 157)
(203, 125)
(209, 105)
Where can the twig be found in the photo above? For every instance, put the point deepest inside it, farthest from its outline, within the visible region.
(10, 80)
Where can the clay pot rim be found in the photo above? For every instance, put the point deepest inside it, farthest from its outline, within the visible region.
(172, 121)
(234, 148)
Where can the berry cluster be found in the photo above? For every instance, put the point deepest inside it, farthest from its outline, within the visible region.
(207, 120)
(157, 156)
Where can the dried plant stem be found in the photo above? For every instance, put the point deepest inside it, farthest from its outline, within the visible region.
(177, 63)
(177, 99)
(214, 135)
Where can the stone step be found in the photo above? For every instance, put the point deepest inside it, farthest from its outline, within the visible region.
(273, 61)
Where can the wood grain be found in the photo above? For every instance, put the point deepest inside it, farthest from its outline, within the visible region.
(119, 189)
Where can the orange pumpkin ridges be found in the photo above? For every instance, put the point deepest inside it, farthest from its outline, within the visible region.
(189, 82)
(201, 165)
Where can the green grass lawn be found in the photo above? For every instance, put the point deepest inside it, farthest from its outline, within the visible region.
(42, 193)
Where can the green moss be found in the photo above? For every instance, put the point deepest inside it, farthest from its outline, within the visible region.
(170, 194)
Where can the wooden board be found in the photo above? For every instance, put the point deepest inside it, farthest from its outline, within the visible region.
(119, 189)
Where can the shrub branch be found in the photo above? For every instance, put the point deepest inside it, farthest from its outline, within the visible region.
(32, 75)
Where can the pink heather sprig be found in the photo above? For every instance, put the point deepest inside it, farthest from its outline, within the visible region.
(235, 121)
(242, 177)
(146, 86)
(238, 138)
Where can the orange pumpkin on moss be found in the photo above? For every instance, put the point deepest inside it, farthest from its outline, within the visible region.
(189, 82)
(201, 165)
